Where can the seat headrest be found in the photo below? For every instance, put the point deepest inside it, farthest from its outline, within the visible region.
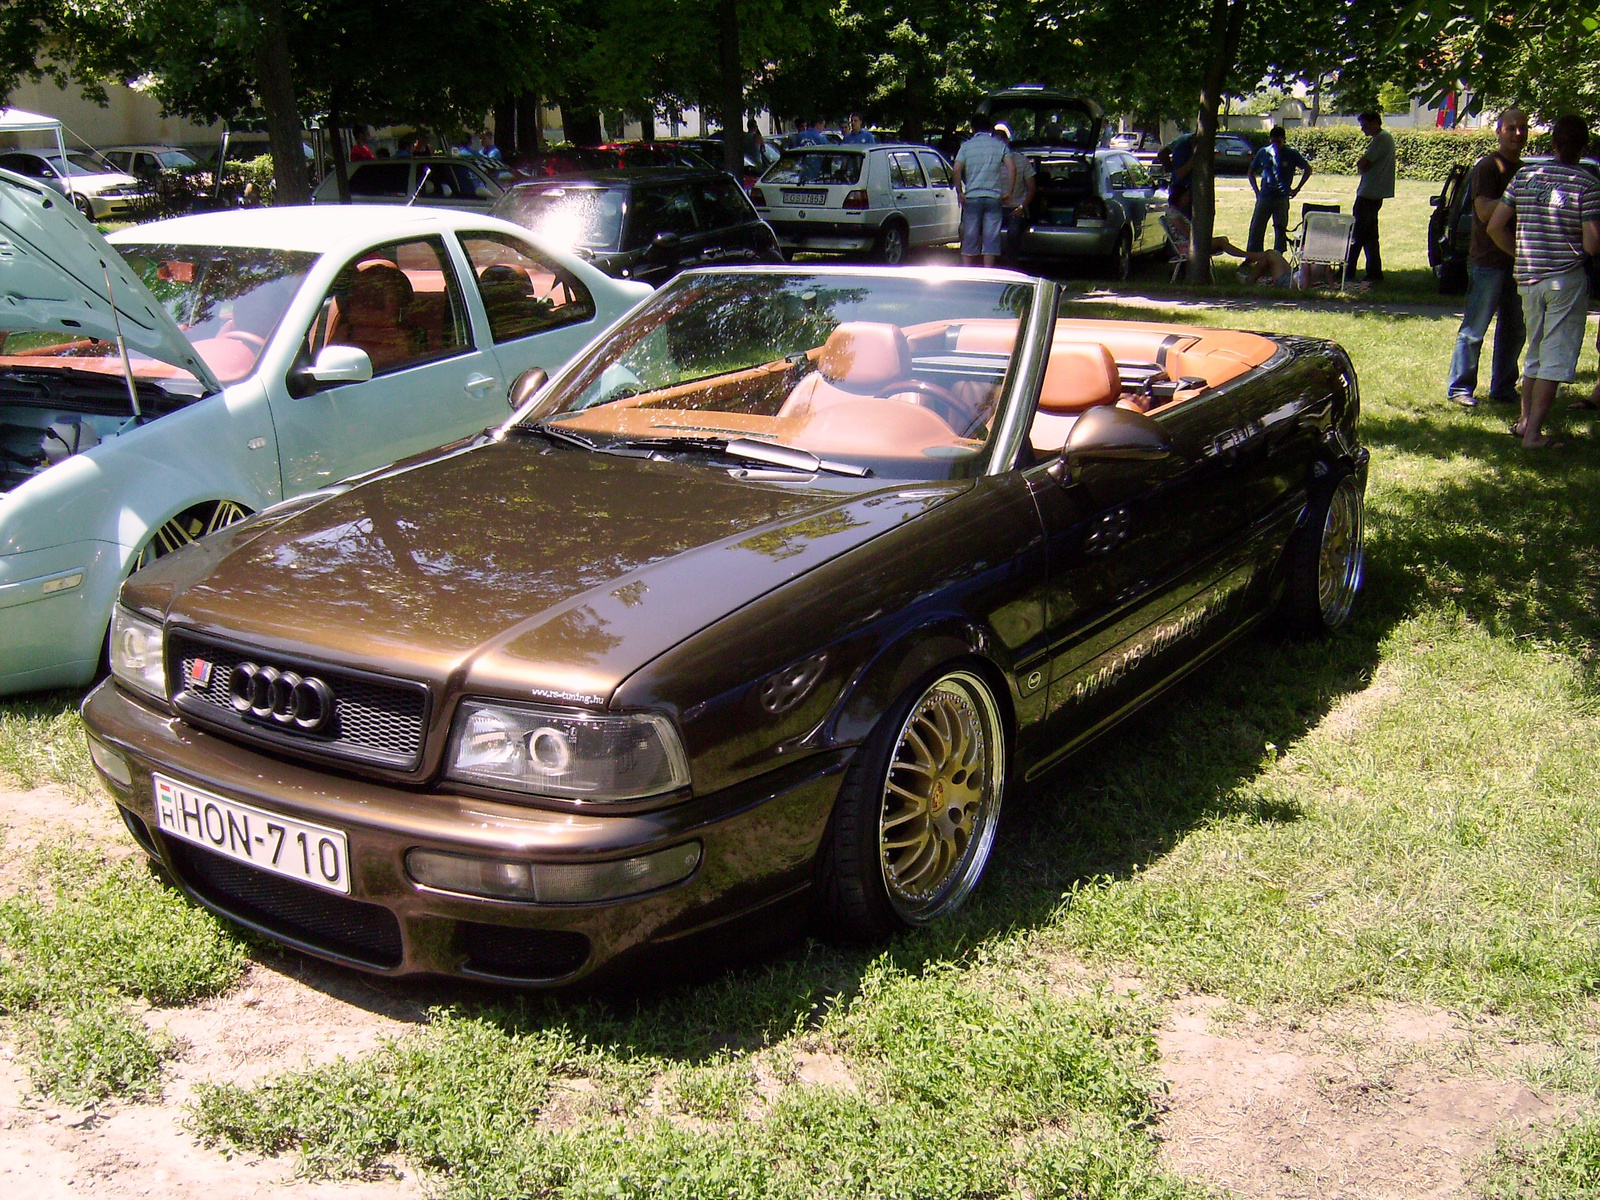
(1080, 375)
(379, 284)
(987, 336)
(865, 354)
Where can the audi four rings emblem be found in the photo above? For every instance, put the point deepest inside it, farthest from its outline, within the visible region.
(293, 701)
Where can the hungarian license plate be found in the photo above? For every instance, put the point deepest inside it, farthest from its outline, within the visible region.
(809, 197)
(269, 841)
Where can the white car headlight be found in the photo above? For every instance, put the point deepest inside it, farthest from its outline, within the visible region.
(576, 756)
(136, 653)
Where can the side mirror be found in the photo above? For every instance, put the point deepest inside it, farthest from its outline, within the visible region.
(335, 365)
(1436, 200)
(663, 245)
(524, 387)
(483, 193)
(1108, 450)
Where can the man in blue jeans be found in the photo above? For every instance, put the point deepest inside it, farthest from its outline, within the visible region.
(979, 166)
(1272, 178)
(1491, 289)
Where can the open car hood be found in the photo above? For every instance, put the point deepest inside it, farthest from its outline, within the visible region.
(53, 270)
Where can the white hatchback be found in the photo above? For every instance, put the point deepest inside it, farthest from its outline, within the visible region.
(883, 199)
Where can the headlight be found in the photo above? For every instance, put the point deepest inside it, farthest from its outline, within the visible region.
(577, 756)
(136, 656)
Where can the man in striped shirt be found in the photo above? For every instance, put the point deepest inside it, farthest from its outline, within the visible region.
(1555, 208)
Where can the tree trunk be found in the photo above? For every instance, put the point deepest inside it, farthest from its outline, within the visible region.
(1227, 23)
(341, 167)
(506, 134)
(732, 89)
(530, 124)
(275, 85)
(1316, 100)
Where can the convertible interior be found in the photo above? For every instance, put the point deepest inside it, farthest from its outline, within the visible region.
(878, 391)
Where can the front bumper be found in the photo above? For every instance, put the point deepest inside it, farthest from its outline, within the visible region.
(758, 841)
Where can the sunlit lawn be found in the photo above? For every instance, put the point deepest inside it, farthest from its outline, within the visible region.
(1410, 811)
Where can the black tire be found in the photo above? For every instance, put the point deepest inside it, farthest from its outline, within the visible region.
(893, 242)
(907, 844)
(1327, 560)
(1119, 265)
(81, 203)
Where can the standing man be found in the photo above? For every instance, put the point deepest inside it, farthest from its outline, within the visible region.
(1556, 208)
(979, 166)
(1376, 166)
(487, 147)
(812, 135)
(856, 134)
(1016, 193)
(360, 152)
(1272, 179)
(1491, 287)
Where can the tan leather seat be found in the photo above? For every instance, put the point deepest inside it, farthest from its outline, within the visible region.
(373, 316)
(1080, 375)
(859, 359)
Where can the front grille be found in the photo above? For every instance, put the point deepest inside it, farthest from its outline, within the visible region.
(367, 933)
(376, 720)
(512, 953)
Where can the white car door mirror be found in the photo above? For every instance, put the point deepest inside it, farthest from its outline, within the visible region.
(335, 365)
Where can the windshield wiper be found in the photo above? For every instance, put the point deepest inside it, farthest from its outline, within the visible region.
(774, 454)
(567, 438)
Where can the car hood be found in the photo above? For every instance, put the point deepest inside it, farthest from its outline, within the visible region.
(517, 569)
(54, 268)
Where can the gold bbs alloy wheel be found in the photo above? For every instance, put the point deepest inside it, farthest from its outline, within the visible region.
(941, 798)
(189, 526)
(1342, 559)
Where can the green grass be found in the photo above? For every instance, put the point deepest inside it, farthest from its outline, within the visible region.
(1565, 1166)
(958, 1085)
(42, 741)
(89, 936)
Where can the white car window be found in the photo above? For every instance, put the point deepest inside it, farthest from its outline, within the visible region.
(904, 172)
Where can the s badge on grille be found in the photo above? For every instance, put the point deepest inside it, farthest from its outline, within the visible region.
(197, 673)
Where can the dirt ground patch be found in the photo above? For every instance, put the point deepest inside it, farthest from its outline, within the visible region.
(287, 1012)
(1396, 1101)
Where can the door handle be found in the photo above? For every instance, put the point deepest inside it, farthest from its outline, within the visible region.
(477, 383)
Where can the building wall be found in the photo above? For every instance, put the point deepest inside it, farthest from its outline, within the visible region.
(129, 117)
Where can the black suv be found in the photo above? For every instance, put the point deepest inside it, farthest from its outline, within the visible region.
(647, 223)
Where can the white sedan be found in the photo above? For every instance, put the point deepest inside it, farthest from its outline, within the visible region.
(269, 353)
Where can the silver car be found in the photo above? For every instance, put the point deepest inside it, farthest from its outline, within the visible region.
(1103, 206)
(885, 199)
(100, 191)
(435, 182)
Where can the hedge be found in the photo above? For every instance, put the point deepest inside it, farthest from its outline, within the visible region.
(174, 193)
(1419, 153)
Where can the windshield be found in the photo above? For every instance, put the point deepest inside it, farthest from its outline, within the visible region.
(82, 164)
(176, 160)
(902, 373)
(1046, 124)
(816, 166)
(570, 216)
(227, 301)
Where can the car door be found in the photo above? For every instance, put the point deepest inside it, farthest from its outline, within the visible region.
(1122, 190)
(945, 210)
(655, 210)
(730, 230)
(539, 314)
(1152, 205)
(912, 195)
(402, 303)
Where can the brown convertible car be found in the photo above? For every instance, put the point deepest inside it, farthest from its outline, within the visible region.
(776, 589)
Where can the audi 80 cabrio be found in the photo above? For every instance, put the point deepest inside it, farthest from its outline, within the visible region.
(776, 589)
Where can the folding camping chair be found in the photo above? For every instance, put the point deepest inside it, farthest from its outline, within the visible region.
(1325, 239)
(1177, 243)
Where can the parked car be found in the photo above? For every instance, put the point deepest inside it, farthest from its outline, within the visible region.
(709, 150)
(885, 200)
(99, 190)
(433, 182)
(648, 223)
(1450, 227)
(790, 141)
(1232, 154)
(289, 348)
(770, 596)
(148, 161)
(1099, 205)
(616, 156)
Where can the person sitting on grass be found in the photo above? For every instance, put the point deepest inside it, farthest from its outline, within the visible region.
(1266, 266)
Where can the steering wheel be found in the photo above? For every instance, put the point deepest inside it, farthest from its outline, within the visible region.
(254, 341)
(934, 398)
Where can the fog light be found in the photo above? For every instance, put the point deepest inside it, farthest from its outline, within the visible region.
(549, 883)
(112, 765)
